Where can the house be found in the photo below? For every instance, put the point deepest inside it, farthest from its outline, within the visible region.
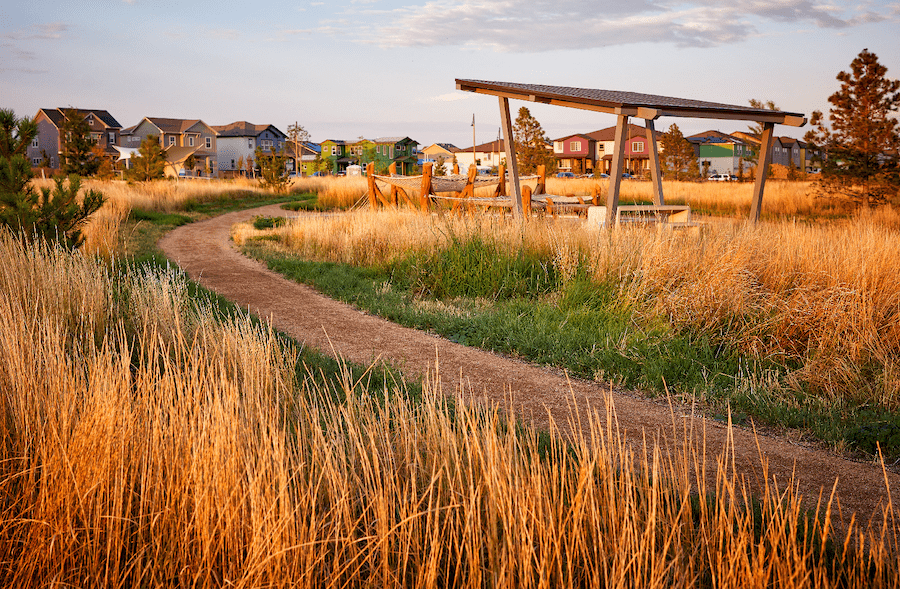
(487, 155)
(180, 139)
(309, 153)
(399, 150)
(637, 149)
(237, 143)
(340, 154)
(721, 153)
(575, 153)
(439, 150)
(47, 144)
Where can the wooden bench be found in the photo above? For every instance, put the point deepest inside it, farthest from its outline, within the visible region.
(670, 215)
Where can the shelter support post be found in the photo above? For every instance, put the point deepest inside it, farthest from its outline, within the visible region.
(762, 169)
(515, 187)
(615, 180)
(655, 172)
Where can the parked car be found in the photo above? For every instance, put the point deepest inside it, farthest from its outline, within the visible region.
(627, 175)
(720, 178)
(601, 175)
(565, 175)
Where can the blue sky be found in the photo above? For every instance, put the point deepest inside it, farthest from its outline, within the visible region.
(351, 68)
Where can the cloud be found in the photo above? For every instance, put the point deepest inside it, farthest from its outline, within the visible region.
(52, 30)
(546, 25)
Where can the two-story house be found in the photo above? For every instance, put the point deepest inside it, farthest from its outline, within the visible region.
(48, 144)
(439, 150)
(237, 143)
(575, 153)
(309, 153)
(180, 139)
(486, 155)
(721, 153)
(399, 150)
(637, 149)
(338, 152)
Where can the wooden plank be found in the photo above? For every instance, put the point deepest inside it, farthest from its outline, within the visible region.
(655, 172)
(765, 158)
(515, 187)
(615, 180)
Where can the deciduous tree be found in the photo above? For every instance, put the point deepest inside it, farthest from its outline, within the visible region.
(531, 144)
(273, 170)
(860, 149)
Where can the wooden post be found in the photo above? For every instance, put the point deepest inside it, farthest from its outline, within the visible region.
(526, 201)
(515, 187)
(456, 168)
(501, 186)
(373, 189)
(615, 181)
(426, 187)
(541, 187)
(762, 168)
(655, 175)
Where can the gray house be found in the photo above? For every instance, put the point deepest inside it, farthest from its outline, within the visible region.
(239, 141)
(104, 129)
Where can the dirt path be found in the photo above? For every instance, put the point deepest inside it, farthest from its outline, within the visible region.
(205, 251)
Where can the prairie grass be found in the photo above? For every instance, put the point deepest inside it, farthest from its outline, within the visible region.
(823, 300)
(149, 442)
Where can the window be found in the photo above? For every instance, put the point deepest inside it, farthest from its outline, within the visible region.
(35, 161)
(191, 141)
(209, 143)
(112, 138)
(334, 150)
(249, 144)
(34, 142)
(171, 140)
(95, 138)
(637, 146)
(135, 139)
(575, 146)
(558, 146)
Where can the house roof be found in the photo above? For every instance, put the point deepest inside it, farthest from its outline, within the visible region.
(56, 115)
(243, 129)
(393, 140)
(335, 141)
(714, 137)
(173, 125)
(585, 136)
(609, 134)
(490, 146)
(648, 106)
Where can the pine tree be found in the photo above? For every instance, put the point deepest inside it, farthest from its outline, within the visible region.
(149, 163)
(439, 168)
(53, 215)
(531, 144)
(677, 153)
(859, 151)
(273, 170)
(78, 156)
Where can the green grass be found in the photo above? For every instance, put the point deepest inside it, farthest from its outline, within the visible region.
(518, 306)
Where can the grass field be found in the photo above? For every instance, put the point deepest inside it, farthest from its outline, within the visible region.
(151, 440)
(153, 435)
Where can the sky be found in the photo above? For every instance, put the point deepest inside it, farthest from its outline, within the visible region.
(346, 69)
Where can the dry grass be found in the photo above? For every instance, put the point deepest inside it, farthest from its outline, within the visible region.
(826, 296)
(146, 443)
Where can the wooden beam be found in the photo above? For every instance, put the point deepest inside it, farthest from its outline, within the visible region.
(374, 193)
(426, 190)
(655, 172)
(515, 187)
(615, 180)
(765, 158)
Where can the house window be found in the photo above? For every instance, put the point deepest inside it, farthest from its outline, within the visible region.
(34, 142)
(558, 146)
(112, 138)
(209, 143)
(575, 146)
(191, 141)
(35, 161)
(135, 139)
(95, 138)
(249, 144)
(171, 140)
(637, 146)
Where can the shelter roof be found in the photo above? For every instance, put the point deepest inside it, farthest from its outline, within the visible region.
(648, 106)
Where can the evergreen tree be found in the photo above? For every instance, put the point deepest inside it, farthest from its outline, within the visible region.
(273, 170)
(149, 163)
(78, 156)
(859, 151)
(531, 144)
(439, 169)
(677, 153)
(52, 215)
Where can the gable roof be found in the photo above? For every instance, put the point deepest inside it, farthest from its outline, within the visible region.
(582, 135)
(490, 146)
(392, 140)
(57, 115)
(173, 125)
(609, 133)
(714, 137)
(244, 129)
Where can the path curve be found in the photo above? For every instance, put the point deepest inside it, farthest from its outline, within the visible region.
(205, 251)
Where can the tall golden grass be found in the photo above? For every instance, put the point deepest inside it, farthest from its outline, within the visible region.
(147, 442)
(826, 296)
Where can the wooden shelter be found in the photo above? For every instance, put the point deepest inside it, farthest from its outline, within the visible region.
(624, 105)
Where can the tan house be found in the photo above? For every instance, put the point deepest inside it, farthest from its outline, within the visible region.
(486, 155)
(180, 139)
